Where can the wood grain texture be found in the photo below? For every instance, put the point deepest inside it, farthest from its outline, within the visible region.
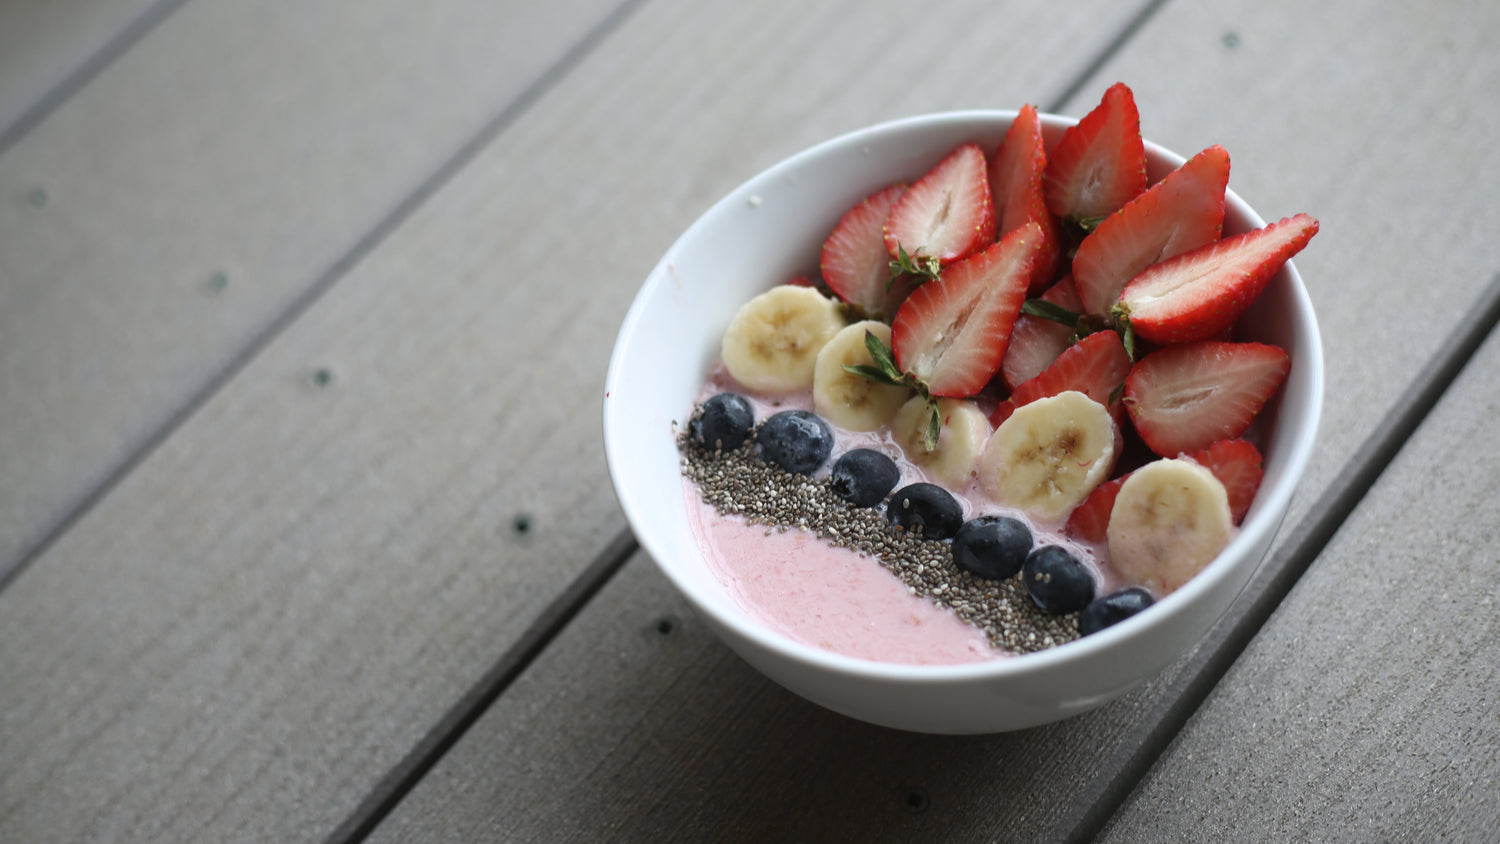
(726, 752)
(1366, 709)
(157, 222)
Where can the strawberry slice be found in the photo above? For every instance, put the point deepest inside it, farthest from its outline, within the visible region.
(951, 334)
(854, 262)
(1089, 521)
(1098, 164)
(1200, 293)
(1181, 212)
(1236, 463)
(948, 214)
(1095, 366)
(1036, 342)
(1184, 398)
(1016, 182)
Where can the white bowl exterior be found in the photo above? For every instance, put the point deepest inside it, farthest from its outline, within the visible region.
(770, 229)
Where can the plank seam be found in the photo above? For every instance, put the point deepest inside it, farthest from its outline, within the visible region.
(1116, 44)
(367, 244)
(1238, 629)
(116, 46)
(426, 753)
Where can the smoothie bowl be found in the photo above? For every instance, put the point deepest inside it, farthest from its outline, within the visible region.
(773, 228)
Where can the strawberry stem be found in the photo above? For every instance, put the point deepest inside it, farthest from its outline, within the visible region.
(1043, 309)
(906, 264)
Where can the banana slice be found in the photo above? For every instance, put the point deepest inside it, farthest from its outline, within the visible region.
(1049, 455)
(964, 430)
(1170, 520)
(850, 401)
(772, 343)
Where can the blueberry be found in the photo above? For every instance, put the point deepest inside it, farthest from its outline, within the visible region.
(1112, 609)
(993, 547)
(796, 440)
(927, 507)
(863, 477)
(1056, 580)
(724, 422)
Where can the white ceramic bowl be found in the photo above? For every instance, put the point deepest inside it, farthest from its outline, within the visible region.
(771, 228)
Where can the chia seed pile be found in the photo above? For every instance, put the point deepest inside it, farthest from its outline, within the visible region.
(740, 483)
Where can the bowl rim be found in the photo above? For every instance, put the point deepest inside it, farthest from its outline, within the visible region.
(1264, 520)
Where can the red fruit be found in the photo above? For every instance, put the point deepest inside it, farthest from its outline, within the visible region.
(1089, 521)
(1236, 463)
(1182, 212)
(947, 214)
(800, 281)
(1099, 164)
(1095, 366)
(1184, 398)
(1016, 182)
(1200, 293)
(951, 333)
(1036, 342)
(854, 262)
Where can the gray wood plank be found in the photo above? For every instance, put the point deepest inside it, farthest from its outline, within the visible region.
(1366, 709)
(265, 614)
(44, 45)
(695, 743)
(201, 188)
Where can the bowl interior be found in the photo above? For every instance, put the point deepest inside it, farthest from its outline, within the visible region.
(770, 229)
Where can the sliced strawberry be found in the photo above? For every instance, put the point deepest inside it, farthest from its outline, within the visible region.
(801, 281)
(1089, 521)
(1184, 398)
(1099, 164)
(1016, 182)
(1236, 463)
(854, 262)
(1095, 366)
(1200, 293)
(1181, 212)
(1036, 342)
(948, 214)
(951, 333)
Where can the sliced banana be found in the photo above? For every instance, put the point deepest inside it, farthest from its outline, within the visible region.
(850, 401)
(772, 343)
(1049, 455)
(964, 430)
(1170, 520)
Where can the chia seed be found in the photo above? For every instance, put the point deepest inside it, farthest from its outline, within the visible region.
(737, 482)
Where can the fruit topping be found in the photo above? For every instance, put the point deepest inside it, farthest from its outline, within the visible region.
(948, 214)
(796, 440)
(1201, 293)
(1236, 463)
(992, 547)
(844, 397)
(1112, 609)
(1099, 164)
(772, 342)
(1182, 212)
(1056, 580)
(1095, 366)
(854, 262)
(863, 477)
(926, 509)
(1170, 520)
(1035, 342)
(1183, 398)
(723, 423)
(962, 431)
(1049, 455)
(1090, 520)
(1016, 172)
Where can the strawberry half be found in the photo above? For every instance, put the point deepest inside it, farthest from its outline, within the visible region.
(951, 334)
(1236, 463)
(854, 262)
(1016, 182)
(1098, 164)
(1200, 293)
(1089, 521)
(948, 214)
(1184, 398)
(1181, 212)
(1036, 342)
(1095, 366)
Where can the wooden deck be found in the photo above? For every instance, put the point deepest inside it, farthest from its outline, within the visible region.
(305, 527)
